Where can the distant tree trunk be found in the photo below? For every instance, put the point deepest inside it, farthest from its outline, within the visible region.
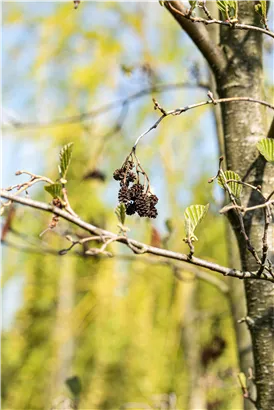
(192, 349)
(63, 327)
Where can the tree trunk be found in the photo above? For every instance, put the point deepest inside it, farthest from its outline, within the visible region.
(244, 125)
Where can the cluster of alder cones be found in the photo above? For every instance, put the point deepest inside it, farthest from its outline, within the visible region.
(136, 197)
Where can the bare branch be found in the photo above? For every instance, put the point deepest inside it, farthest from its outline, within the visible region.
(74, 119)
(138, 245)
(179, 111)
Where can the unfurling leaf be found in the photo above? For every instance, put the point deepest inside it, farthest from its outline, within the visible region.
(266, 148)
(65, 158)
(235, 188)
(120, 212)
(260, 8)
(229, 8)
(193, 215)
(55, 190)
(192, 4)
(222, 6)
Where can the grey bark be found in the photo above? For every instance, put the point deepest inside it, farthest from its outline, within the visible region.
(244, 126)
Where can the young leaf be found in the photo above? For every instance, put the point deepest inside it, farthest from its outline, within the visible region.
(260, 8)
(120, 212)
(228, 8)
(192, 4)
(65, 158)
(235, 188)
(266, 148)
(222, 6)
(55, 190)
(193, 215)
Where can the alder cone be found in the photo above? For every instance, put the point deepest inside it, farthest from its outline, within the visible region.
(123, 195)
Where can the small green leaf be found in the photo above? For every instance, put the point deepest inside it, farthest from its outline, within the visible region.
(261, 8)
(222, 6)
(228, 8)
(235, 188)
(192, 4)
(193, 215)
(55, 190)
(65, 158)
(120, 212)
(266, 148)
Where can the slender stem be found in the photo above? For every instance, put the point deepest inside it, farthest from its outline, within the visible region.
(179, 111)
(231, 24)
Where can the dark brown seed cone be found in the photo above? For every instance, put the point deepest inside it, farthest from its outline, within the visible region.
(153, 200)
(131, 208)
(135, 191)
(131, 176)
(118, 174)
(142, 205)
(152, 213)
(123, 195)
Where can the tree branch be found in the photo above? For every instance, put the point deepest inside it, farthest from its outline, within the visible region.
(225, 271)
(179, 111)
(104, 108)
(199, 35)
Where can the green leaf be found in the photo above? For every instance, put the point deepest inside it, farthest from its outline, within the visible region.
(55, 190)
(193, 215)
(228, 8)
(222, 6)
(261, 9)
(192, 4)
(120, 212)
(235, 188)
(65, 158)
(266, 148)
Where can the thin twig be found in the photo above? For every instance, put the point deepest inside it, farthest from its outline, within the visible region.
(232, 24)
(179, 111)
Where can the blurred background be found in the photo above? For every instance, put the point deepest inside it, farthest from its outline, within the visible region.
(128, 331)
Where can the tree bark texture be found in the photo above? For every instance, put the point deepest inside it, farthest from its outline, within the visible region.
(237, 65)
(244, 126)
